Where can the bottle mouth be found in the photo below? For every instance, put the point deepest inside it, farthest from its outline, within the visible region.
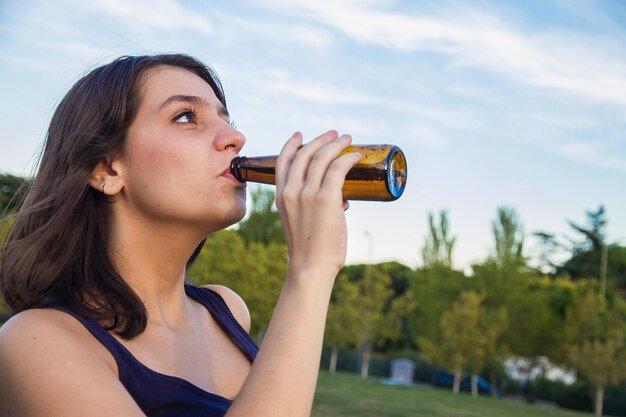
(234, 168)
(396, 173)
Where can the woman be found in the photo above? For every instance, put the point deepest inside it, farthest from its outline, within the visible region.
(133, 177)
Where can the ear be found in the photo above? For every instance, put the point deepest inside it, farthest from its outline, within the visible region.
(107, 177)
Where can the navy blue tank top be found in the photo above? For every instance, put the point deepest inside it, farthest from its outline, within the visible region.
(160, 395)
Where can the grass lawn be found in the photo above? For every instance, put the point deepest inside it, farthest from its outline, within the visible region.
(348, 395)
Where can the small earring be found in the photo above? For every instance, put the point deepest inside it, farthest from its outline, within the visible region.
(102, 189)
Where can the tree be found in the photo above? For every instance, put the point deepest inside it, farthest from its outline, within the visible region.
(508, 233)
(594, 233)
(401, 276)
(532, 307)
(496, 349)
(342, 323)
(467, 331)
(586, 252)
(596, 333)
(255, 271)
(534, 328)
(5, 225)
(396, 331)
(262, 224)
(434, 290)
(10, 187)
(591, 255)
(545, 250)
(439, 245)
(374, 294)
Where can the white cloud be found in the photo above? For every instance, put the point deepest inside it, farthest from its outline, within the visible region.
(76, 52)
(27, 62)
(591, 67)
(310, 119)
(151, 14)
(448, 115)
(317, 92)
(593, 153)
(280, 31)
(474, 92)
(315, 37)
(281, 82)
(588, 10)
(564, 122)
(423, 135)
(274, 82)
(75, 55)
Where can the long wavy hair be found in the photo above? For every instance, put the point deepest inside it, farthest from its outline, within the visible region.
(57, 249)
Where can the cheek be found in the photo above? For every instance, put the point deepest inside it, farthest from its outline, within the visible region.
(173, 179)
(164, 159)
(156, 170)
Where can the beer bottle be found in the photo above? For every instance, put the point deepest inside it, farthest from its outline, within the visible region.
(380, 175)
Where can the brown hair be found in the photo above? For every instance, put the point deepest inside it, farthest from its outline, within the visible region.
(57, 248)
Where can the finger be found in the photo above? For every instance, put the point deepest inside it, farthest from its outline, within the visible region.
(336, 174)
(283, 162)
(301, 161)
(322, 160)
(285, 158)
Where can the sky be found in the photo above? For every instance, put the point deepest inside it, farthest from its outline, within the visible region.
(494, 103)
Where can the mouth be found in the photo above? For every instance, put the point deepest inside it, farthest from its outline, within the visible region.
(229, 176)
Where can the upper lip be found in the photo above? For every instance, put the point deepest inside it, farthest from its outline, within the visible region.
(226, 171)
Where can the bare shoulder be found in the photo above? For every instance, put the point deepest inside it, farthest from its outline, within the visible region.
(46, 357)
(42, 332)
(235, 303)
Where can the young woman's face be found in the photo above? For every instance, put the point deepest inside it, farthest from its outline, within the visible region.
(178, 153)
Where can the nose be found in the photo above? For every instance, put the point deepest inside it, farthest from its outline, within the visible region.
(229, 138)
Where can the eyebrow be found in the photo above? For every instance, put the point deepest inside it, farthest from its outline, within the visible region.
(199, 101)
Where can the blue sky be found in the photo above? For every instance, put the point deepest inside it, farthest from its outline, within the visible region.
(495, 103)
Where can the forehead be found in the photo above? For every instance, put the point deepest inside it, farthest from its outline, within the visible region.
(159, 83)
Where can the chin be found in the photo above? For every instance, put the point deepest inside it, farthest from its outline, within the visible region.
(234, 216)
(223, 215)
(239, 216)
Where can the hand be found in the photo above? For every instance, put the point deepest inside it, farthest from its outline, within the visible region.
(309, 200)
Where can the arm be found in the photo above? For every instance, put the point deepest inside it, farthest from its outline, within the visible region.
(53, 365)
(283, 378)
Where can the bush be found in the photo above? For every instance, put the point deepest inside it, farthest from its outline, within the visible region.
(575, 396)
(578, 396)
(615, 401)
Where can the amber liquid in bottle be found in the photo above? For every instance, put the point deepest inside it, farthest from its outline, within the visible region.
(380, 175)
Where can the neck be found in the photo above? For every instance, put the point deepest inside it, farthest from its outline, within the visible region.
(151, 257)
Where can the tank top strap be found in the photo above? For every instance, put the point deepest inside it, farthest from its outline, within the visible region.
(224, 318)
(210, 299)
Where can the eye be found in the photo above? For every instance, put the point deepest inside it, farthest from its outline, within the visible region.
(186, 117)
(232, 123)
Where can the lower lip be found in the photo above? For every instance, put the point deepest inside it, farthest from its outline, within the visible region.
(230, 177)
